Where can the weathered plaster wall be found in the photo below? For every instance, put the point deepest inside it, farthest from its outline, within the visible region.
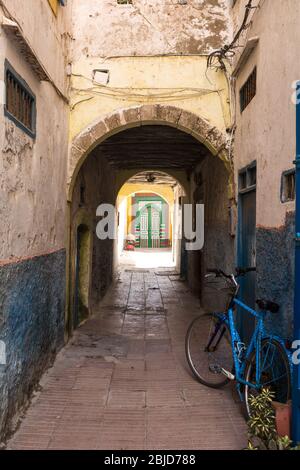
(98, 179)
(178, 81)
(148, 51)
(33, 171)
(32, 208)
(275, 278)
(148, 27)
(266, 129)
(266, 133)
(32, 298)
(209, 186)
(49, 36)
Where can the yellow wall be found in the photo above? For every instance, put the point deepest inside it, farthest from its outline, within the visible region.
(181, 81)
(166, 192)
(53, 4)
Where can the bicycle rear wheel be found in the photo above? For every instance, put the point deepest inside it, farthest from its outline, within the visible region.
(208, 349)
(275, 373)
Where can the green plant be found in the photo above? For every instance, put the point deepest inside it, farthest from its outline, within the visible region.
(262, 425)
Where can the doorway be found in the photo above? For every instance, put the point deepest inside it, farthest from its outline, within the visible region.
(151, 222)
(247, 244)
(146, 161)
(82, 275)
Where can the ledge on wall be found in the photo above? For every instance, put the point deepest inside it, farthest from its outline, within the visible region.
(14, 30)
(249, 48)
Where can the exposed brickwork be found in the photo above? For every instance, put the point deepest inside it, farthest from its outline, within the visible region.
(123, 382)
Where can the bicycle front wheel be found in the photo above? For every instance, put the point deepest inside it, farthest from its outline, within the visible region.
(208, 350)
(275, 373)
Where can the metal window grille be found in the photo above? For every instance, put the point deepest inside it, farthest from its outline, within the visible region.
(248, 90)
(20, 101)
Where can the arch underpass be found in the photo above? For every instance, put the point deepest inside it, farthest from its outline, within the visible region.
(154, 148)
(147, 217)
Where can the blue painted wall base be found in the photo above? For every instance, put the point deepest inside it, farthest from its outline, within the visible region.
(32, 306)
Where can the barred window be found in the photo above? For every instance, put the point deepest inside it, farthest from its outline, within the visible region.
(20, 101)
(248, 90)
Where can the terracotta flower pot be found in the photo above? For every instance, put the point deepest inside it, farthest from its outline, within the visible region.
(283, 414)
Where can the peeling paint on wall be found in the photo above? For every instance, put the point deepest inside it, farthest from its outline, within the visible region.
(149, 27)
(32, 298)
(275, 273)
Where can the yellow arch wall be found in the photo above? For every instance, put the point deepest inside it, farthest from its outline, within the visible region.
(164, 191)
(180, 81)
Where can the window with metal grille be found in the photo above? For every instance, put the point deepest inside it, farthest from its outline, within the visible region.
(124, 2)
(20, 104)
(248, 90)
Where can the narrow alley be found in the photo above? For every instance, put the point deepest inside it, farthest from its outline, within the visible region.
(148, 175)
(123, 381)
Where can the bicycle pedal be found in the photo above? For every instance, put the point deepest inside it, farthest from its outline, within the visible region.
(227, 374)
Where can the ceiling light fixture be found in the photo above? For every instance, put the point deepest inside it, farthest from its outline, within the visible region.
(150, 178)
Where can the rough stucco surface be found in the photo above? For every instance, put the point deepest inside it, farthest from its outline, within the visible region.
(266, 133)
(48, 37)
(275, 273)
(266, 130)
(148, 27)
(32, 206)
(32, 171)
(98, 179)
(32, 303)
(218, 251)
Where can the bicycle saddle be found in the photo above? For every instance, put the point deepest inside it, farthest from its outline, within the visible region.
(267, 305)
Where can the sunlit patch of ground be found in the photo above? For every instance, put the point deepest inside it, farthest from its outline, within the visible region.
(148, 258)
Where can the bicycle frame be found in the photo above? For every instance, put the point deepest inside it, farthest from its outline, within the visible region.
(255, 343)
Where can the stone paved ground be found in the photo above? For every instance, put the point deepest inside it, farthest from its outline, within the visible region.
(123, 382)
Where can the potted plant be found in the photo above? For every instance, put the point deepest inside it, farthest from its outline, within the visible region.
(268, 423)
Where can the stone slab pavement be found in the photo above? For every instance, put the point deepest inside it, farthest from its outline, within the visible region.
(122, 382)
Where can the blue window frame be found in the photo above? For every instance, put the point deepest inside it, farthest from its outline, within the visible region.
(20, 102)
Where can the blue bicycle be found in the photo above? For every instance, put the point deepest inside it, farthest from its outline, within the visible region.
(217, 355)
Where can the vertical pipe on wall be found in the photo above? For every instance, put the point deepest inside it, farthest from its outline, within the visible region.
(296, 367)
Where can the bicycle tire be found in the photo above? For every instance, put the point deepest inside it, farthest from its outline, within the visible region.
(199, 359)
(281, 385)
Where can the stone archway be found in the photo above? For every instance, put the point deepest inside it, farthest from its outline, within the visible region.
(123, 119)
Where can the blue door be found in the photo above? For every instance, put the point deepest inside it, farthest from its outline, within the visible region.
(247, 244)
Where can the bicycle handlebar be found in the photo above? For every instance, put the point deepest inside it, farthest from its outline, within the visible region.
(218, 272)
(239, 272)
